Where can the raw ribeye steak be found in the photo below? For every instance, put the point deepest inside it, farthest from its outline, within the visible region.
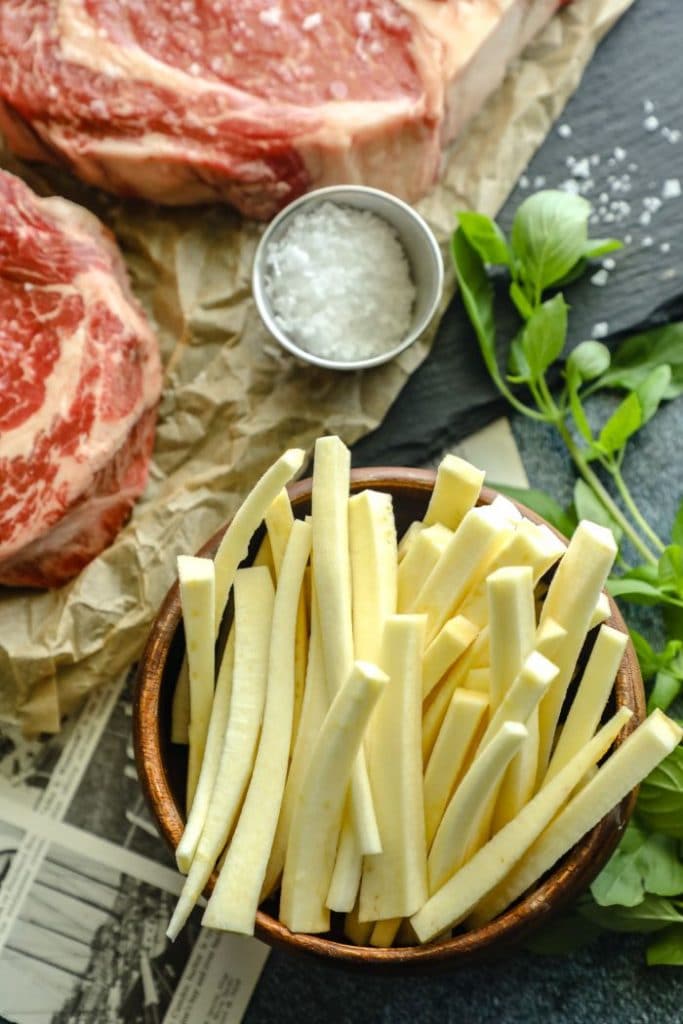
(251, 101)
(80, 379)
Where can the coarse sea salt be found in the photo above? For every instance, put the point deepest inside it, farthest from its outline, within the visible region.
(339, 283)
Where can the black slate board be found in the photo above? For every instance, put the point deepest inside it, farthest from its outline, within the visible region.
(636, 73)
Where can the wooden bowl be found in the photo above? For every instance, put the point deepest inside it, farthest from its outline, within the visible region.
(162, 766)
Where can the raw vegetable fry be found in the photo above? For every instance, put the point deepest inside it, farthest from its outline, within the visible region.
(479, 680)
(452, 754)
(637, 756)
(512, 626)
(235, 898)
(457, 487)
(252, 625)
(450, 904)
(279, 522)
(358, 932)
(424, 553)
(408, 537)
(439, 699)
(465, 823)
(345, 881)
(317, 814)
(602, 611)
(332, 587)
(571, 598)
(507, 508)
(394, 882)
(591, 697)
(549, 638)
(384, 932)
(445, 649)
(374, 562)
(180, 709)
(197, 582)
(522, 698)
(215, 736)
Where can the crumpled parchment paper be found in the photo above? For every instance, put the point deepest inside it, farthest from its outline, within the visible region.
(232, 399)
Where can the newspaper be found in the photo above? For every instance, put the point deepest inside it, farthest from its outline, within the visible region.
(86, 885)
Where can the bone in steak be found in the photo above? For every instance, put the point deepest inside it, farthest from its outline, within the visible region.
(251, 101)
(80, 379)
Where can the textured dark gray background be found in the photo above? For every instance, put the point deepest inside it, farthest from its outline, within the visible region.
(640, 61)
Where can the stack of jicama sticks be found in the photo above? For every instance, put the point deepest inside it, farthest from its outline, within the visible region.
(383, 736)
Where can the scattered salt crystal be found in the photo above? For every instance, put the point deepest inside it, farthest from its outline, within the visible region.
(595, 159)
(364, 22)
(600, 278)
(539, 181)
(671, 134)
(609, 263)
(648, 106)
(311, 21)
(581, 168)
(564, 131)
(600, 330)
(651, 123)
(339, 283)
(628, 239)
(523, 181)
(665, 247)
(619, 153)
(570, 186)
(671, 188)
(647, 241)
(194, 68)
(271, 16)
(652, 203)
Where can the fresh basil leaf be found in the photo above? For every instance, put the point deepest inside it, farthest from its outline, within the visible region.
(562, 519)
(652, 390)
(677, 528)
(660, 798)
(650, 662)
(664, 692)
(477, 296)
(650, 915)
(670, 568)
(597, 247)
(588, 506)
(578, 412)
(642, 863)
(544, 335)
(549, 236)
(673, 620)
(485, 236)
(622, 424)
(667, 949)
(636, 591)
(589, 359)
(518, 296)
(518, 367)
(577, 271)
(639, 355)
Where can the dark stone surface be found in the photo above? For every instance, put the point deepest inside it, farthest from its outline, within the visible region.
(449, 396)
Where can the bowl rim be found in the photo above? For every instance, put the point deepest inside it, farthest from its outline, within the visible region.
(565, 881)
(330, 192)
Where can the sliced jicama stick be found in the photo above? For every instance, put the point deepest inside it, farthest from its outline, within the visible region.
(180, 709)
(462, 565)
(358, 932)
(264, 557)
(571, 598)
(279, 522)
(463, 828)
(523, 695)
(423, 555)
(591, 697)
(332, 587)
(408, 537)
(317, 815)
(507, 508)
(455, 900)
(395, 880)
(235, 898)
(313, 711)
(436, 706)
(519, 780)
(550, 636)
(235, 543)
(455, 492)
(601, 612)
(637, 756)
(252, 626)
(452, 754)
(384, 932)
(445, 649)
(373, 547)
(512, 626)
(197, 596)
(345, 881)
(479, 680)
(215, 736)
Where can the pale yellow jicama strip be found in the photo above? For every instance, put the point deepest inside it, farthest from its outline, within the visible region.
(264, 557)
(462, 565)
(384, 932)
(512, 626)
(456, 489)
(591, 697)
(439, 699)
(601, 612)
(447, 907)
(343, 892)
(235, 543)
(637, 756)
(507, 508)
(254, 597)
(408, 537)
(373, 553)
(356, 931)
(197, 583)
(445, 649)
(571, 598)
(332, 587)
(215, 736)
(532, 545)
(527, 689)
(423, 555)
(394, 882)
(452, 753)
(279, 522)
(313, 711)
(479, 680)
(317, 814)
(549, 638)
(235, 898)
(464, 826)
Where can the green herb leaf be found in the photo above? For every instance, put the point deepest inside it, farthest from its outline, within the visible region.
(670, 568)
(634, 590)
(649, 661)
(477, 295)
(518, 368)
(660, 799)
(652, 390)
(589, 359)
(622, 424)
(577, 410)
(562, 519)
(650, 915)
(544, 336)
(485, 236)
(642, 863)
(677, 528)
(549, 235)
(667, 948)
(639, 355)
(597, 247)
(524, 307)
(664, 692)
(588, 506)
